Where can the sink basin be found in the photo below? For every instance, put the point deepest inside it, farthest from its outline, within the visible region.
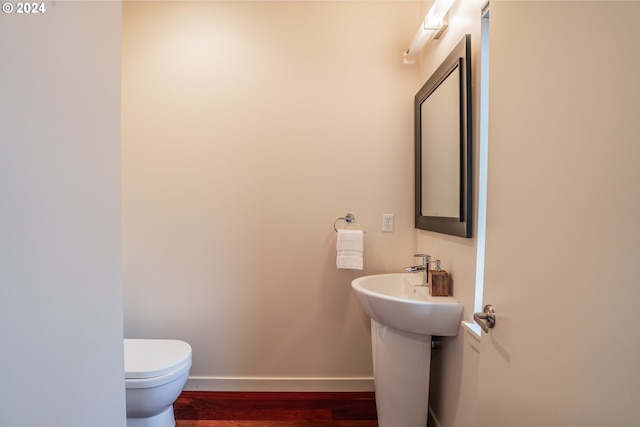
(403, 318)
(396, 300)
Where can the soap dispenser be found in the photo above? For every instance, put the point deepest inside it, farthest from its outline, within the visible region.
(438, 281)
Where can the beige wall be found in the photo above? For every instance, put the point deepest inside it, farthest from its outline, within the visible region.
(458, 255)
(60, 248)
(248, 128)
(454, 367)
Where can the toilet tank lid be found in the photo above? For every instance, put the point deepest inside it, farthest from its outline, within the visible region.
(146, 358)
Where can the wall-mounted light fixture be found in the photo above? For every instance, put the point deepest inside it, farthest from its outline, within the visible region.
(433, 25)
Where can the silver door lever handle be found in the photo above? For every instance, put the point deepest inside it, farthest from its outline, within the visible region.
(486, 319)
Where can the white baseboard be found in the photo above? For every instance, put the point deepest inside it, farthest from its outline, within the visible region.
(250, 384)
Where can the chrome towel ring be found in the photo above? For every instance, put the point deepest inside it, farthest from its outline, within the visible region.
(349, 218)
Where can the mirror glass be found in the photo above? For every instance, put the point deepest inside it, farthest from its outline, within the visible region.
(443, 142)
(439, 125)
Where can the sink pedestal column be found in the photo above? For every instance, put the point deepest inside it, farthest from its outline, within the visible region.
(401, 363)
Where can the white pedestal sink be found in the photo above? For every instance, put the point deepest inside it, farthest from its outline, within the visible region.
(403, 318)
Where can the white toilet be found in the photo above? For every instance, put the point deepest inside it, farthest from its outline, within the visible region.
(155, 373)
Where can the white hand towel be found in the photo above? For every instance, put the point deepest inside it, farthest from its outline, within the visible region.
(350, 249)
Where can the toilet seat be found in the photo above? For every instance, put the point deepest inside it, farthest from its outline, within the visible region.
(146, 359)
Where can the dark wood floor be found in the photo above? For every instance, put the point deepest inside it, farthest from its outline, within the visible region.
(280, 409)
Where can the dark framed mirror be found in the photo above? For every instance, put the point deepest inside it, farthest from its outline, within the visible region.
(443, 146)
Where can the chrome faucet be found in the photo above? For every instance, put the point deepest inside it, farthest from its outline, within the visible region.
(426, 260)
